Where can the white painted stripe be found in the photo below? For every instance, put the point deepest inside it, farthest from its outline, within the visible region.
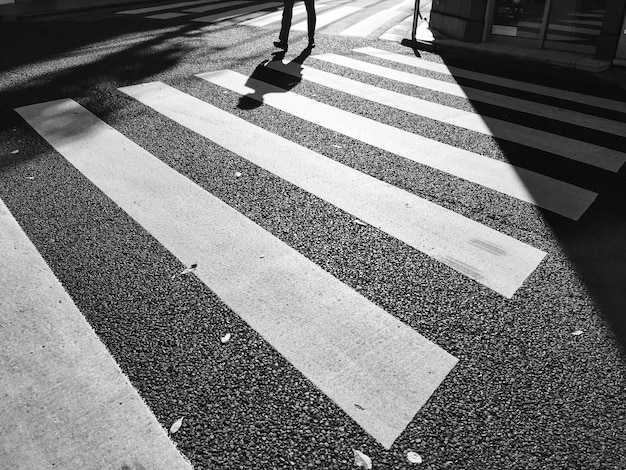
(572, 149)
(517, 104)
(169, 6)
(372, 23)
(576, 97)
(354, 351)
(166, 16)
(327, 18)
(438, 232)
(405, 5)
(273, 17)
(217, 6)
(400, 31)
(65, 402)
(276, 16)
(233, 13)
(543, 191)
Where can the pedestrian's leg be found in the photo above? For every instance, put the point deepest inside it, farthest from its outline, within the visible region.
(311, 18)
(286, 23)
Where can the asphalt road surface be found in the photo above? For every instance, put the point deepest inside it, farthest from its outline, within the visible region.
(362, 247)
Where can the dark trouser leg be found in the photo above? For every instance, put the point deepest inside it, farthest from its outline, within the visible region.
(310, 13)
(286, 23)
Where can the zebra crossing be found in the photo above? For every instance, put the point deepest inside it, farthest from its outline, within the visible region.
(347, 346)
(387, 20)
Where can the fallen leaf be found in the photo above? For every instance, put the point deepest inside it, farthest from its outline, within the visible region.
(337, 146)
(30, 177)
(359, 406)
(14, 152)
(225, 338)
(190, 269)
(414, 457)
(359, 222)
(185, 271)
(577, 333)
(238, 175)
(362, 460)
(176, 426)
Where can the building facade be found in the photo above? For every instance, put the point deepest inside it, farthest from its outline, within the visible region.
(593, 27)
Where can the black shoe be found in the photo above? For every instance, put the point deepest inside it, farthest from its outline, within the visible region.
(280, 45)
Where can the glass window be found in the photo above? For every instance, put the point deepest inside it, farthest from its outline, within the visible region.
(575, 22)
(518, 18)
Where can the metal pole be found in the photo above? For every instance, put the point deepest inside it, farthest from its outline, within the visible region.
(416, 14)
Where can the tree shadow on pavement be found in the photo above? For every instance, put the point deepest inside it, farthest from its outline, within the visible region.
(72, 59)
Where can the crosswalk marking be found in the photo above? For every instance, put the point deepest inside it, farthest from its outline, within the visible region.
(457, 72)
(487, 256)
(372, 23)
(336, 20)
(166, 16)
(405, 5)
(217, 6)
(354, 351)
(517, 104)
(573, 149)
(400, 31)
(233, 13)
(274, 17)
(170, 6)
(65, 402)
(543, 191)
(327, 17)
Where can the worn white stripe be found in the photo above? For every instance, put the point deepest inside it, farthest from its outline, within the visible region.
(327, 18)
(573, 149)
(273, 17)
(543, 191)
(517, 104)
(400, 31)
(276, 16)
(372, 23)
(217, 6)
(355, 352)
(170, 6)
(457, 72)
(65, 402)
(405, 5)
(440, 233)
(166, 16)
(233, 13)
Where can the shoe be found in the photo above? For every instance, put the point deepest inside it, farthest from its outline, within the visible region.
(280, 45)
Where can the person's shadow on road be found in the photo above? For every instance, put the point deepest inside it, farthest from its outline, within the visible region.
(283, 77)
